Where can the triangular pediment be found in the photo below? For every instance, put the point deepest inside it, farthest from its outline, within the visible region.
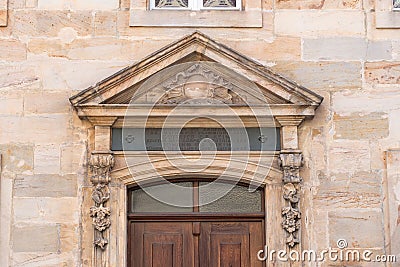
(196, 70)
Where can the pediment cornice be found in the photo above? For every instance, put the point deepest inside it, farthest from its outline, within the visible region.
(113, 92)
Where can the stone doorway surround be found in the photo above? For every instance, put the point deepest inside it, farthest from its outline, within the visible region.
(103, 213)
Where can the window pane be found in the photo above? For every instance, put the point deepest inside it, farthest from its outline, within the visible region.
(396, 4)
(171, 3)
(238, 198)
(219, 3)
(159, 198)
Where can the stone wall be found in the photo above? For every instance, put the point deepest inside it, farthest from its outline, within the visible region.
(52, 49)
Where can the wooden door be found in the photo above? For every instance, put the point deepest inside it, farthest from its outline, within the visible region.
(161, 244)
(230, 244)
(180, 244)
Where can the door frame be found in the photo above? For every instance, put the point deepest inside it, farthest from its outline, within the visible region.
(192, 217)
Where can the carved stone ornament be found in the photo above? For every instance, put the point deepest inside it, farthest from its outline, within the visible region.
(100, 166)
(291, 163)
(199, 85)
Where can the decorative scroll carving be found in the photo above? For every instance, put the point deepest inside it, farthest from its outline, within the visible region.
(100, 166)
(291, 163)
(199, 85)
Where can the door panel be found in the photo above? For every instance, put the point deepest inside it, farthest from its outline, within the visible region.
(230, 244)
(161, 244)
(200, 244)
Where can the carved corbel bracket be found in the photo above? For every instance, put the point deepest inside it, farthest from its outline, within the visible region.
(100, 165)
(291, 162)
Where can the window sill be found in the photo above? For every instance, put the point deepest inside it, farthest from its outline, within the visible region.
(388, 20)
(202, 18)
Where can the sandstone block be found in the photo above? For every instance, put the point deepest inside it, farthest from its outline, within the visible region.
(47, 159)
(11, 106)
(349, 156)
(370, 126)
(69, 237)
(319, 4)
(17, 158)
(48, 259)
(17, 76)
(347, 102)
(382, 72)
(49, 102)
(31, 3)
(319, 23)
(361, 229)
(322, 75)
(342, 190)
(53, 5)
(94, 4)
(12, 50)
(3, 17)
(47, 209)
(72, 158)
(345, 48)
(42, 129)
(45, 185)
(105, 23)
(36, 238)
(282, 48)
(50, 23)
(62, 74)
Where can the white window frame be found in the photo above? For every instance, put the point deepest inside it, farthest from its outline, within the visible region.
(387, 17)
(195, 5)
(395, 8)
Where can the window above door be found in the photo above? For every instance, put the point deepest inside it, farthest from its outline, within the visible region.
(197, 13)
(196, 4)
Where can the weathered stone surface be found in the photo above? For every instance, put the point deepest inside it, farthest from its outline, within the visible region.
(342, 190)
(17, 76)
(281, 48)
(356, 227)
(346, 48)
(50, 23)
(17, 158)
(347, 102)
(48, 259)
(31, 3)
(45, 185)
(11, 105)
(370, 126)
(3, 17)
(36, 238)
(382, 72)
(53, 5)
(348, 157)
(47, 158)
(62, 74)
(69, 237)
(38, 129)
(94, 4)
(6, 195)
(319, 4)
(105, 23)
(46, 103)
(12, 50)
(319, 23)
(72, 158)
(322, 75)
(47, 209)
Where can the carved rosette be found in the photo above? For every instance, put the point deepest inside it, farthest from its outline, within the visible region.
(100, 167)
(290, 164)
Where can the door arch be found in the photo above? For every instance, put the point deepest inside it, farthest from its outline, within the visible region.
(203, 231)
